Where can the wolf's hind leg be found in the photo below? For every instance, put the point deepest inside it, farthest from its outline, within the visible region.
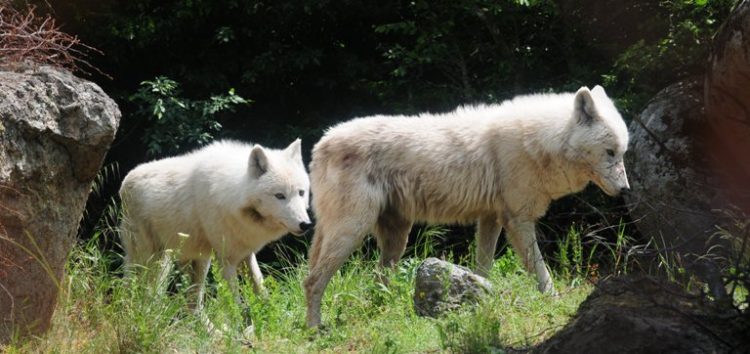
(316, 245)
(335, 246)
(392, 234)
(141, 245)
(488, 231)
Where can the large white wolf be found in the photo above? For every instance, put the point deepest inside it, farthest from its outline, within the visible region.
(498, 165)
(229, 198)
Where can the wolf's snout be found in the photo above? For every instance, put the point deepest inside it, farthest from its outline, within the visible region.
(304, 226)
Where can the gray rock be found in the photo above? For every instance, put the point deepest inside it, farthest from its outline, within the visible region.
(673, 194)
(442, 286)
(690, 166)
(55, 130)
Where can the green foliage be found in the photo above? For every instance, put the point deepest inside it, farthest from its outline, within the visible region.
(736, 234)
(480, 334)
(622, 251)
(581, 255)
(424, 244)
(101, 311)
(155, 313)
(648, 66)
(309, 64)
(177, 122)
(577, 262)
(508, 263)
(466, 50)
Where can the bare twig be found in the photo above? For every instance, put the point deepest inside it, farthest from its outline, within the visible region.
(28, 37)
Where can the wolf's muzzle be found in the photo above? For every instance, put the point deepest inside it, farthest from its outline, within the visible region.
(304, 226)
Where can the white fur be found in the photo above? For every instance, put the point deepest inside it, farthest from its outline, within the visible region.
(220, 198)
(498, 165)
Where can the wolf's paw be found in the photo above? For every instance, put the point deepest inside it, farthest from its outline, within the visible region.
(247, 336)
(317, 331)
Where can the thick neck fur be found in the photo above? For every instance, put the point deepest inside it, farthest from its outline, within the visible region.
(546, 142)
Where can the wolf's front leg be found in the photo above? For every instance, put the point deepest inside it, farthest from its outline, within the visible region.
(198, 269)
(229, 272)
(256, 276)
(522, 236)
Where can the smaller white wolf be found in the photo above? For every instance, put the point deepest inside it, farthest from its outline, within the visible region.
(497, 165)
(227, 198)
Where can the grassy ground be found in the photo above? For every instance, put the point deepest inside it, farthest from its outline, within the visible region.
(100, 311)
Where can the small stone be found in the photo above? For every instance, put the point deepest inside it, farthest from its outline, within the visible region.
(442, 286)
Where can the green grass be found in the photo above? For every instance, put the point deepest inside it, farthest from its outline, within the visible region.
(100, 311)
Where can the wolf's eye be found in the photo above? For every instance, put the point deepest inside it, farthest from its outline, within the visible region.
(301, 193)
(611, 153)
(280, 196)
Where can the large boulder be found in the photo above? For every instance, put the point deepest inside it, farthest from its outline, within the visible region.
(647, 315)
(673, 195)
(442, 286)
(55, 130)
(727, 94)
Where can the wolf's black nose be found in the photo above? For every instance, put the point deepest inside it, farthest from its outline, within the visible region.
(624, 190)
(304, 226)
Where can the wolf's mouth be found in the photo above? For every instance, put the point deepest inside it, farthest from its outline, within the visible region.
(605, 187)
(297, 233)
(611, 193)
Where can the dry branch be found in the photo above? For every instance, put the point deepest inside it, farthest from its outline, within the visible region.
(26, 37)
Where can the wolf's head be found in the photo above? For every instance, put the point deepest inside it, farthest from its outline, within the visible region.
(598, 139)
(282, 187)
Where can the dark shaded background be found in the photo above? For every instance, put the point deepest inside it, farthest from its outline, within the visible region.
(309, 64)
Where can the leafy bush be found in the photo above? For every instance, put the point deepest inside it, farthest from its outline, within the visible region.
(445, 53)
(646, 67)
(176, 122)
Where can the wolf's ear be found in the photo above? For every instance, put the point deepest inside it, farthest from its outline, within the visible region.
(598, 90)
(258, 162)
(295, 149)
(584, 111)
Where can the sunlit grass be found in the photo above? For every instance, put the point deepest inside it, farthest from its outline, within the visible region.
(101, 311)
